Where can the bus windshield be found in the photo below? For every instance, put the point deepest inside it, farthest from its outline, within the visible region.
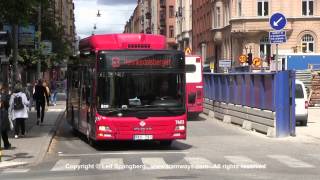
(159, 87)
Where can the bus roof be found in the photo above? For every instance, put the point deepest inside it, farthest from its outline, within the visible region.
(123, 42)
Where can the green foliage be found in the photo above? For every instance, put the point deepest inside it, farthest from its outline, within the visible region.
(18, 11)
(24, 12)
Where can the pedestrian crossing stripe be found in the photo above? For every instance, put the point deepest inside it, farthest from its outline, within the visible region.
(199, 162)
(13, 170)
(291, 162)
(240, 160)
(66, 165)
(111, 164)
(159, 163)
(154, 163)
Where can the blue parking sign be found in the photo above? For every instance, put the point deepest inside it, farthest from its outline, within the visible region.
(277, 21)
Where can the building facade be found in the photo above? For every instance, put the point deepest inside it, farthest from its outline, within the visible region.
(63, 11)
(154, 17)
(202, 39)
(242, 26)
(184, 24)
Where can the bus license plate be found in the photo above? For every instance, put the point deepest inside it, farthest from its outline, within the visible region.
(143, 137)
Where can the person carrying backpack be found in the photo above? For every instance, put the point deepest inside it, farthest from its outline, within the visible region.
(18, 109)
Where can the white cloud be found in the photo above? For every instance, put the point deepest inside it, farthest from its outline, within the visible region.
(112, 19)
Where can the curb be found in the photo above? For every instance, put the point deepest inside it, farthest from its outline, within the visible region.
(50, 135)
(43, 151)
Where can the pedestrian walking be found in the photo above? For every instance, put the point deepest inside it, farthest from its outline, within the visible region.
(40, 96)
(29, 92)
(18, 110)
(45, 85)
(5, 123)
(54, 92)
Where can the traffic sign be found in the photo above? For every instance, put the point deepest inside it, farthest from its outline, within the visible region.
(225, 63)
(187, 51)
(277, 37)
(243, 58)
(277, 21)
(211, 65)
(256, 62)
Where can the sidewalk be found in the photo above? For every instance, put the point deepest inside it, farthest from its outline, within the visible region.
(32, 148)
(312, 130)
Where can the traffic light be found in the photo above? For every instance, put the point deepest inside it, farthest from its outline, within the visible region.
(249, 59)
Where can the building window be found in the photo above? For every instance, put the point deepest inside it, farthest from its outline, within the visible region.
(263, 7)
(307, 7)
(171, 11)
(217, 17)
(265, 48)
(307, 43)
(239, 8)
(171, 32)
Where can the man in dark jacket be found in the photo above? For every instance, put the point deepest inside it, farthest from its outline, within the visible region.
(5, 123)
(40, 96)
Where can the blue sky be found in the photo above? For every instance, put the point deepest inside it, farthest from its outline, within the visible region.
(114, 14)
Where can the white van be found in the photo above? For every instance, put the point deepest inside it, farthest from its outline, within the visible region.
(301, 103)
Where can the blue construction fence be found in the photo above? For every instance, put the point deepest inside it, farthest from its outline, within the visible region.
(266, 91)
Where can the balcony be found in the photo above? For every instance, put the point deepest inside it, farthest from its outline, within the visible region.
(253, 25)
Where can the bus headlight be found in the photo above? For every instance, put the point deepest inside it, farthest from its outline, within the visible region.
(104, 128)
(180, 128)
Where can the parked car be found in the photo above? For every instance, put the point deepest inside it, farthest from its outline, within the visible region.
(301, 103)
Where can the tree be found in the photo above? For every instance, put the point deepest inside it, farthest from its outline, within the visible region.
(15, 13)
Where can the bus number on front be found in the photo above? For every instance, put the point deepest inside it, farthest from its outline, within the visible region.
(179, 122)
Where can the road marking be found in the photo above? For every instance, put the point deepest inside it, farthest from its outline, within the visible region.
(12, 170)
(111, 164)
(240, 160)
(315, 156)
(291, 162)
(199, 163)
(8, 164)
(154, 163)
(66, 165)
(55, 110)
(124, 153)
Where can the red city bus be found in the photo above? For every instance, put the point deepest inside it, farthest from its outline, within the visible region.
(194, 84)
(127, 87)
